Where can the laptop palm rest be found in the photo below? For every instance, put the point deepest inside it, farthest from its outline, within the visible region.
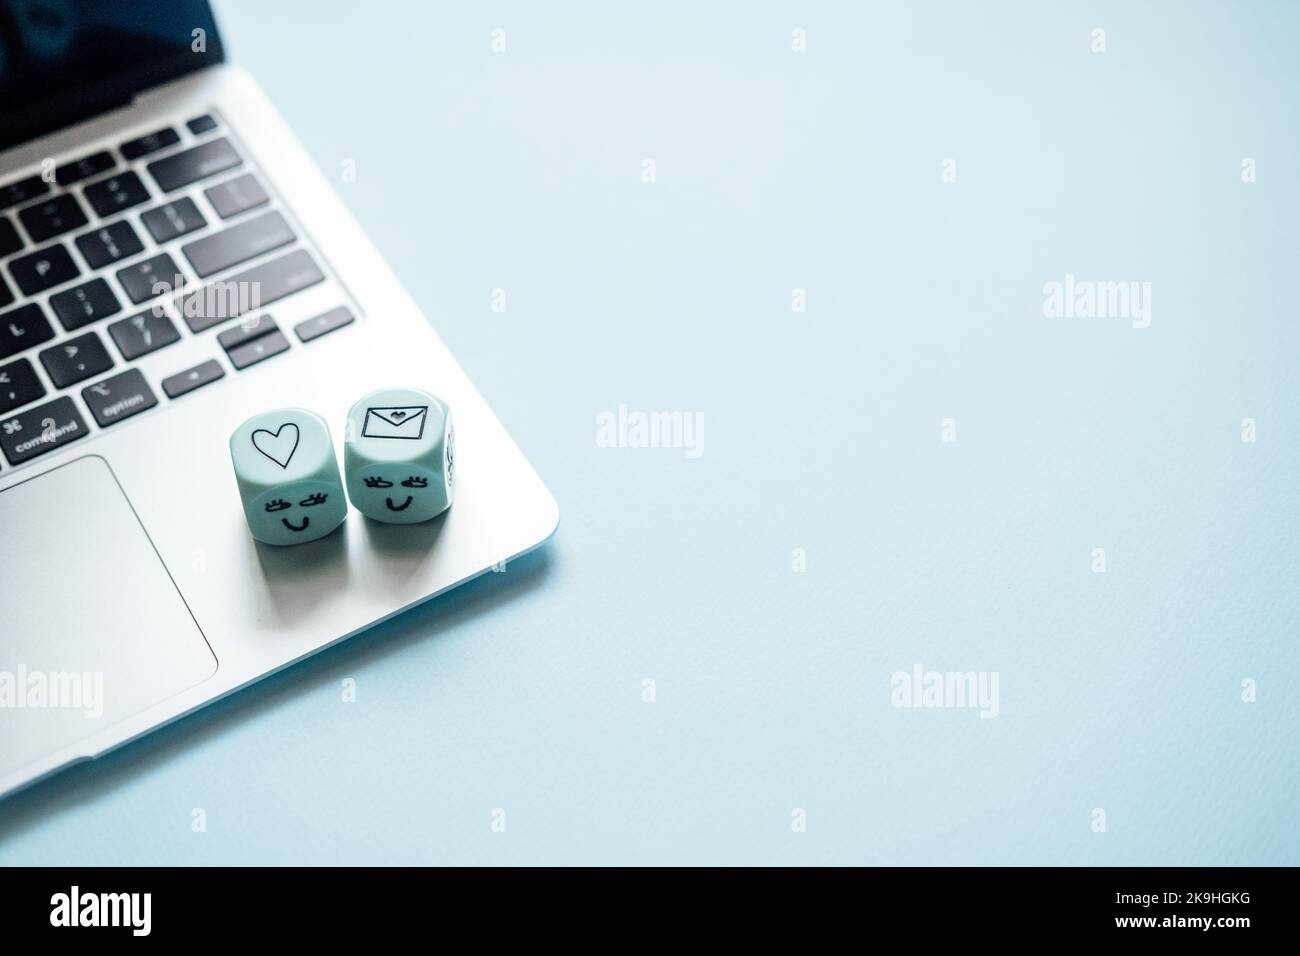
(92, 627)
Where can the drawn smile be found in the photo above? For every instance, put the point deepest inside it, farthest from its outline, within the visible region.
(402, 507)
(294, 527)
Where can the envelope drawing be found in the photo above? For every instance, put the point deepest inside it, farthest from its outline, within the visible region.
(402, 421)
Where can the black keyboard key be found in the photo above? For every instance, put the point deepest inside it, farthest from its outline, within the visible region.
(41, 429)
(144, 333)
(238, 195)
(84, 168)
(182, 382)
(43, 269)
(83, 304)
(202, 124)
(76, 360)
(194, 164)
(232, 297)
(6, 296)
(237, 244)
(150, 143)
(18, 385)
(314, 328)
(173, 219)
(260, 348)
(53, 217)
(110, 196)
(152, 277)
(22, 328)
(246, 331)
(10, 241)
(118, 398)
(109, 244)
(17, 193)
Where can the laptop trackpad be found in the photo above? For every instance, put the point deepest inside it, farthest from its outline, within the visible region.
(92, 628)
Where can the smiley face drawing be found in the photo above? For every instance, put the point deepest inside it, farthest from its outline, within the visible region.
(311, 501)
(411, 481)
(297, 512)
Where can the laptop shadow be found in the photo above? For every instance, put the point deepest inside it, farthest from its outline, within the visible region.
(82, 783)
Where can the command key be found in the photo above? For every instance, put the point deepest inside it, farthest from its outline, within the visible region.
(41, 429)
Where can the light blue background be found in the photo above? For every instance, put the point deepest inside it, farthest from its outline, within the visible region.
(821, 171)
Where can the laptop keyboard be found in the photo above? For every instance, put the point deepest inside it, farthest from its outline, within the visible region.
(126, 253)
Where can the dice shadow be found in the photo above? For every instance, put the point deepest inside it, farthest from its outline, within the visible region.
(300, 580)
(296, 575)
(403, 540)
(289, 562)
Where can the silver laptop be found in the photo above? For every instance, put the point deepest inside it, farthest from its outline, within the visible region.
(138, 172)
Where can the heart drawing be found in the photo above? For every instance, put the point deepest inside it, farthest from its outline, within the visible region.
(278, 445)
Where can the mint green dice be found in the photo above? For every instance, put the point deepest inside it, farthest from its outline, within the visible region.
(288, 476)
(399, 455)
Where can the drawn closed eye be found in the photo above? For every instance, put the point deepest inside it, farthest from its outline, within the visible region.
(377, 482)
(414, 482)
(279, 504)
(315, 499)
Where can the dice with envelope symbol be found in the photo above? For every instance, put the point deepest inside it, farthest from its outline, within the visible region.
(399, 455)
(288, 476)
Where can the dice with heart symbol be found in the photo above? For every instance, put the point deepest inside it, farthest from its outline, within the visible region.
(288, 476)
(399, 455)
